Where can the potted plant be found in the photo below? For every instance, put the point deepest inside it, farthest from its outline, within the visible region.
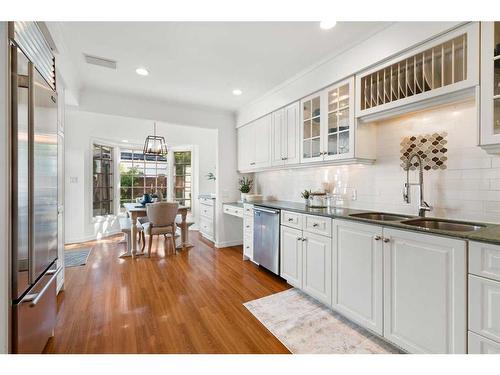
(245, 187)
(306, 194)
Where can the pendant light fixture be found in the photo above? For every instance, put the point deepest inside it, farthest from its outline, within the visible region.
(155, 145)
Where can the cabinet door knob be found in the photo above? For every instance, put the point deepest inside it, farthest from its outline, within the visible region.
(377, 238)
(290, 219)
(315, 225)
(304, 239)
(299, 238)
(386, 240)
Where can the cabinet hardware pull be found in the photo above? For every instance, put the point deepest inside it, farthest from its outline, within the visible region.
(299, 238)
(248, 226)
(377, 238)
(290, 219)
(285, 158)
(386, 240)
(315, 225)
(252, 163)
(304, 239)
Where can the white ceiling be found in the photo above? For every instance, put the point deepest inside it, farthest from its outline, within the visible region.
(202, 62)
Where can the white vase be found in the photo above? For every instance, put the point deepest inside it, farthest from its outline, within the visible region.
(243, 197)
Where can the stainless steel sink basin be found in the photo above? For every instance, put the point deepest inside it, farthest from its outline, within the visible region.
(380, 216)
(440, 224)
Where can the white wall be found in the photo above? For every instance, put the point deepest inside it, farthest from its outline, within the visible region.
(4, 194)
(381, 46)
(469, 189)
(228, 229)
(84, 127)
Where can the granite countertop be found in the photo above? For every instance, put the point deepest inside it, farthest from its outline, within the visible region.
(490, 233)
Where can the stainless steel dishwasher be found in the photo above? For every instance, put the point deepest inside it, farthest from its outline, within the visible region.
(266, 238)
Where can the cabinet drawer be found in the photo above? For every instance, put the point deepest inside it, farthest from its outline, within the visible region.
(484, 260)
(291, 219)
(233, 210)
(207, 211)
(207, 201)
(206, 226)
(317, 224)
(248, 210)
(484, 307)
(481, 345)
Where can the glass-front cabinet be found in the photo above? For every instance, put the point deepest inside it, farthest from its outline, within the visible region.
(328, 123)
(490, 86)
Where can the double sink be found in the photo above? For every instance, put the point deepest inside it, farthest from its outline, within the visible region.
(425, 223)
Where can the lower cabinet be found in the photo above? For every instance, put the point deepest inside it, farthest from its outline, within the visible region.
(317, 266)
(484, 307)
(425, 292)
(291, 256)
(481, 345)
(357, 277)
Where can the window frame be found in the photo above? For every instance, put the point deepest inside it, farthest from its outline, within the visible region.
(111, 179)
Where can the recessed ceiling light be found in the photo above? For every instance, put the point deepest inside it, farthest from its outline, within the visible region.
(237, 92)
(142, 71)
(326, 25)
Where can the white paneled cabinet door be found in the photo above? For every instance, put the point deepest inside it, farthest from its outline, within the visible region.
(481, 345)
(357, 273)
(484, 307)
(262, 142)
(425, 292)
(292, 134)
(317, 266)
(291, 256)
(278, 137)
(246, 147)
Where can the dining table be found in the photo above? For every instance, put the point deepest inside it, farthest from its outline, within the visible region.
(135, 210)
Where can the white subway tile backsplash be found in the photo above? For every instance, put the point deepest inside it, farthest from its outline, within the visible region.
(469, 189)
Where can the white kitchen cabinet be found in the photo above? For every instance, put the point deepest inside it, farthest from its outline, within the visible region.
(328, 127)
(207, 217)
(254, 145)
(442, 70)
(425, 292)
(291, 256)
(484, 260)
(481, 345)
(490, 86)
(484, 307)
(357, 273)
(248, 231)
(317, 266)
(285, 136)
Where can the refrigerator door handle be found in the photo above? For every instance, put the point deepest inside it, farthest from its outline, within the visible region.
(35, 297)
(31, 162)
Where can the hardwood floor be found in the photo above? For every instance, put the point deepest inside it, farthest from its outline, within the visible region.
(191, 302)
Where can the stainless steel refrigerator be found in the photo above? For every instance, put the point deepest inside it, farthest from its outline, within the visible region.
(33, 191)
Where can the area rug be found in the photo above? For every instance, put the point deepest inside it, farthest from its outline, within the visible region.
(305, 326)
(74, 258)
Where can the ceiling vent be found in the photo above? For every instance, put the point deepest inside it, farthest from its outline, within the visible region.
(99, 61)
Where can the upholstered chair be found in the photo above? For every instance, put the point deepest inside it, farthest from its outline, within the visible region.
(161, 217)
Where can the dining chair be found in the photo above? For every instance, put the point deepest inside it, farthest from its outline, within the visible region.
(161, 216)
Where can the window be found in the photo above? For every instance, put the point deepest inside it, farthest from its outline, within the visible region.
(140, 174)
(102, 186)
(182, 177)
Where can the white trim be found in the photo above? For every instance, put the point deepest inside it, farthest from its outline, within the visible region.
(221, 245)
(90, 238)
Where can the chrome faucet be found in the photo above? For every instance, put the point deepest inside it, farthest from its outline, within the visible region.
(422, 205)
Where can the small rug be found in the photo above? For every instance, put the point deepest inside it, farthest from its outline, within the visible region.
(74, 258)
(305, 326)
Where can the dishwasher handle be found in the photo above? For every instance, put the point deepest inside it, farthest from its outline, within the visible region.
(267, 210)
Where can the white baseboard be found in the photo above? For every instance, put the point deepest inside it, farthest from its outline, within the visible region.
(228, 243)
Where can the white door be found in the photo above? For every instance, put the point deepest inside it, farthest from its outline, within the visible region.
(339, 120)
(292, 134)
(317, 267)
(262, 142)
(484, 307)
(291, 256)
(278, 137)
(357, 273)
(425, 292)
(310, 129)
(246, 147)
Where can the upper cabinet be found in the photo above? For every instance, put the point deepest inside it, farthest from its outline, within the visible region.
(285, 136)
(490, 86)
(328, 129)
(254, 145)
(435, 72)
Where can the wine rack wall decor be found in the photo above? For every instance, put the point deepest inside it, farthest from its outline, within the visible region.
(438, 66)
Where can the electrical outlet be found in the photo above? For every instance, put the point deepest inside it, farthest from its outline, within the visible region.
(73, 180)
